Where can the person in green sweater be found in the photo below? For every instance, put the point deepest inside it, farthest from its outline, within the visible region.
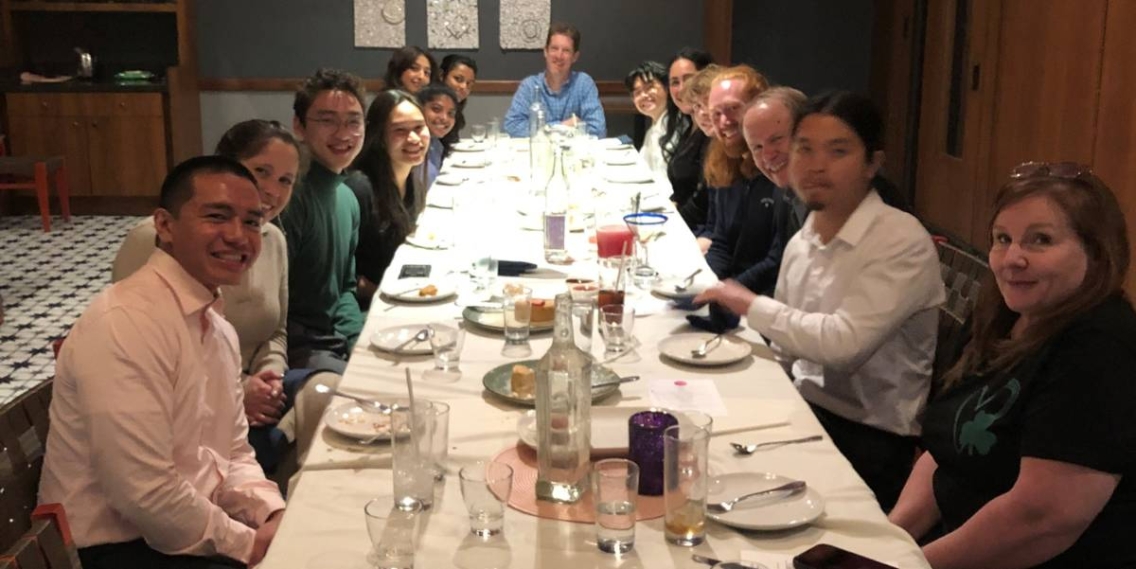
(322, 224)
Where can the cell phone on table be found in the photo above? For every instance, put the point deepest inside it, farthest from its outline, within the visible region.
(825, 556)
(414, 271)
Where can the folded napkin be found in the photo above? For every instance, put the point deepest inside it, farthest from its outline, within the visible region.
(719, 321)
(513, 268)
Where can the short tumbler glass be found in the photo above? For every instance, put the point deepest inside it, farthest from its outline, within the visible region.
(394, 533)
(485, 488)
(615, 491)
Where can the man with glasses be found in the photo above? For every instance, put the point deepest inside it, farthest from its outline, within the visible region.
(322, 224)
(567, 96)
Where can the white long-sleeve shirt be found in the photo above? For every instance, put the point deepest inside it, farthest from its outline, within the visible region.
(855, 321)
(148, 434)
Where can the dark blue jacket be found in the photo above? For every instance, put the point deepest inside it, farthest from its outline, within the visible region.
(746, 243)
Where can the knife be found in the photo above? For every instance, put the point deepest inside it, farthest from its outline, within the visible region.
(618, 381)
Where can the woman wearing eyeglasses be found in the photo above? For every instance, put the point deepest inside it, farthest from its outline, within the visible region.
(1031, 456)
(390, 195)
(645, 83)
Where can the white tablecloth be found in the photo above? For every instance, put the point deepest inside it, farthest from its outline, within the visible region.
(324, 526)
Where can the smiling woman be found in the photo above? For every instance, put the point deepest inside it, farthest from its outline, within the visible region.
(645, 83)
(440, 107)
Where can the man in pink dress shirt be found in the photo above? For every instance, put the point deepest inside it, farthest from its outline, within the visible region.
(147, 449)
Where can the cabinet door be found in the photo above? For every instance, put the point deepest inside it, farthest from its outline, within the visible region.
(54, 136)
(128, 155)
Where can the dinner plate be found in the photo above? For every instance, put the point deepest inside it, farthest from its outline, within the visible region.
(609, 428)
(450, 179)
(666, 288)
(398, 339)
(614, 144)
(498, 382)
(410, 290)
(622, 158)
(353, 421)
(428, 240)
(493, 319)
(469, 146)
(468, 162)
(772, 513)
(679, 346)
(628, 175)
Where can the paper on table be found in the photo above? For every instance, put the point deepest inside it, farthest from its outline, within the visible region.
(687, 395)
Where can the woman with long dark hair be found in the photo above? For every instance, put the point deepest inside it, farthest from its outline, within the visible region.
(459, 72)
(390, 195)
(439, 106)
(685, 166)
(645, 84)
(410, 68)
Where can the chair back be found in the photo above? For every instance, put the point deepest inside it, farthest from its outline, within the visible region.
(23, 439)
(962, 270)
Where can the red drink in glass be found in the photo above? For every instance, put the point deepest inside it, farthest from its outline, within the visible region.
(614, 240)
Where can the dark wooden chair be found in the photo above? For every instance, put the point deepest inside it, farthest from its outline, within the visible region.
(963, 271)
(37, 173)
(23, 438)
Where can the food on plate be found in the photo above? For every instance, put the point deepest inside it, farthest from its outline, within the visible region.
(512, 288)
(378, 423)
(543, 310)
(428, 290)
(523, 382)
(513, 178)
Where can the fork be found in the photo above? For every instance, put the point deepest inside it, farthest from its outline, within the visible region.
(794, 487)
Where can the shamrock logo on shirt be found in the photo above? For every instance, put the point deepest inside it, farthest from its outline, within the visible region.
(973, 435)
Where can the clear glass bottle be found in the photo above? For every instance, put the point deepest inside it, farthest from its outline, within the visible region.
(563, 413)
(556, 211)
(540, 145)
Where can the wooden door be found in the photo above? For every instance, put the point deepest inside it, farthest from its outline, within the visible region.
(953, 113)
(1049, 71)
(1116, 121)
(128, 155)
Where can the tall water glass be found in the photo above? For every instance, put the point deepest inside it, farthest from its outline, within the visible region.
(394, 533)
(615, 491)
(412, 440)
(440, 446)
(685, 481)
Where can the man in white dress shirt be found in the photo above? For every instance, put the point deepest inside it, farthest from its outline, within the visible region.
(854, 316)
(148, 449)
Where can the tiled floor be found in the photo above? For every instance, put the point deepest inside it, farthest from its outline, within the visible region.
(46, 280)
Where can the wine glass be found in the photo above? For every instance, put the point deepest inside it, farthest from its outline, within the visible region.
(647, 226)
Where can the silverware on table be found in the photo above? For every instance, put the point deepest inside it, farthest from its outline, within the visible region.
(689, 280)
(707, 347)
(363, 402)
(750, 448)
(618, 381)
(703, 559)
(422, 335)
(790, 489)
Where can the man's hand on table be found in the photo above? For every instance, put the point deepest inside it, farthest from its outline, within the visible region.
(729, 294)
(264, 535)
(264, 398)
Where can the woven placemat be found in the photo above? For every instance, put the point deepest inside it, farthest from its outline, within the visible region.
(523, 498)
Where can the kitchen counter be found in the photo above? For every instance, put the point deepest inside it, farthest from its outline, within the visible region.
(73, 86)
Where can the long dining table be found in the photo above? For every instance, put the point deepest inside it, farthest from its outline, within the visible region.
(481, 206)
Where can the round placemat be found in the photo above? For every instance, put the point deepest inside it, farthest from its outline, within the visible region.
(523, 497)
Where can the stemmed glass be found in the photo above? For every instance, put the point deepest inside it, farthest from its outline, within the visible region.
(647, 226)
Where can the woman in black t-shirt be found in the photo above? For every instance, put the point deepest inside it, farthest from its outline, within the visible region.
(1031, 456)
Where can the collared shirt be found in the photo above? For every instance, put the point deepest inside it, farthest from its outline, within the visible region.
(578, 95)
(652, 149)
(148, 433)
(855, 320)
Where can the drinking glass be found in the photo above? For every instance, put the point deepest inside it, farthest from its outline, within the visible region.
(477, 132)
(617, 321)
(700, 419)
(446, 341)
(615, 491)
(647, 227)
(485, 488)
(685, 481)
(440, 446)
(645, 447)
(494, 131)
(516, 303)
(412, 439)
(612, 286)
(483, 271)
(394, 533)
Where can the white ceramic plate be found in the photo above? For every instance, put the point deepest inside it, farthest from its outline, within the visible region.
(773, 513)
(351, 420)
(450, 179)
(469, 146)
(609, 428)
(679, 346)
(666, 288)
(396, 338)
(621, 158)
(614, 144)
(407, 290)
(625, 175)
(428, 240)
(468, 162)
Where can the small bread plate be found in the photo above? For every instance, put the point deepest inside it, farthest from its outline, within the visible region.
(419, 289)
(498, 381)
(494, 319)
(609, 428)
(469, 146)
(666, 288)
(776, 512)
(450, 179)
(355, 422)
(679, 347)
(399, 339)
(621, 158)
(468, 162)
(425, 239)
(624, 175)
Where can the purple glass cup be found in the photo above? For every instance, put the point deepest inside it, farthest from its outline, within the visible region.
(645, 441)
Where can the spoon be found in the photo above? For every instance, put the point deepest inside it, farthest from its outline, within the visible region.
(618, 381)
(687, 282)
(795, 487)
(422, 335)
(748, 449)
(706, 348)
(366, 404)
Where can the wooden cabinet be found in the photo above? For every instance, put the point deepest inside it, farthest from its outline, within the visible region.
(115, 143)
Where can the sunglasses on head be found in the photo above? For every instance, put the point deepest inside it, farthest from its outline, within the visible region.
(1064, 170)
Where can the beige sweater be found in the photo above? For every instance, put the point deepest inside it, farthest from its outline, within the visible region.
(257, 308)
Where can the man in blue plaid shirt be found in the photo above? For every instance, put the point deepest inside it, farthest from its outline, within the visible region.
(568, 96)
